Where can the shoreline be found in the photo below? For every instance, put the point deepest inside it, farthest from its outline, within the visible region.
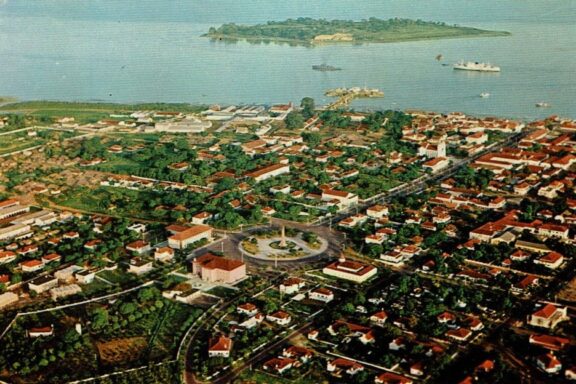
(312, 43)
(33, 106)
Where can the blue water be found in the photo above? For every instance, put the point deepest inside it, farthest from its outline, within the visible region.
(143, 50)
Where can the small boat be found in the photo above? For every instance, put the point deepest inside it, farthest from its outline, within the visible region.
(325, 68)
(542, 104)
(484, 95)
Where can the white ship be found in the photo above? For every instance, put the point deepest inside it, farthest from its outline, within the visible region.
(484, 95)
(543, 104)
(476, 66)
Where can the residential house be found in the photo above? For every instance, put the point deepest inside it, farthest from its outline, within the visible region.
(321, 294)
(220, 346)
(280, 318)
(548, 316)
(279, 365)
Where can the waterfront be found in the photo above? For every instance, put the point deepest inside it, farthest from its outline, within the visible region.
(135, 51)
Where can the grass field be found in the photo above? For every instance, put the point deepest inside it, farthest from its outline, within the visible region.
(91, 112)
(17, 142)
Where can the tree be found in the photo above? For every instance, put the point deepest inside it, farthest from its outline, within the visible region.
(313, 139)
(294, 120)
(147, 294)
(308, 106)
(100, 318)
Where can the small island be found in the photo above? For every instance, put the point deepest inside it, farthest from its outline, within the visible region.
(317, 31)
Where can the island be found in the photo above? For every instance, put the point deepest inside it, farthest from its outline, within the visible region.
(309, 31)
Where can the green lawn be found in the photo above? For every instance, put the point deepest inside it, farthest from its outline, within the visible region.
(117, 276)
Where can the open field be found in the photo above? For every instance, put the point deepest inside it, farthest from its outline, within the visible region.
(89, 112)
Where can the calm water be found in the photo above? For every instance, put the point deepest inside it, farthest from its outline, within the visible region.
(143, 50)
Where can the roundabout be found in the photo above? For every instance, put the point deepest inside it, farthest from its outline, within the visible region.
(278, 246)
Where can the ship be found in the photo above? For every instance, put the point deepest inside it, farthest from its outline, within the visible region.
(543, 104)
(484, 95)
(325, 68)
(476, 66)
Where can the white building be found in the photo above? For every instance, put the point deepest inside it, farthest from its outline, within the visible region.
(183, 239)
(43, 284)
(350, 270)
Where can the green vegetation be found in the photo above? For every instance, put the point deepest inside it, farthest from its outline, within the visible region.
(89, 112)
(137, 329)
(307, 30)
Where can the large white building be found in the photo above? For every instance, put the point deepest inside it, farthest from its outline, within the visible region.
(269, 171)
(13, 231)
(350, 270)
(345, 199)
(188, 236)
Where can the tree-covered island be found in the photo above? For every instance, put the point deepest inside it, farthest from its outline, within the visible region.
(373, 30)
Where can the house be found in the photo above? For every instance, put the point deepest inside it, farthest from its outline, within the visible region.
(397, 344)
(551, 260)
(201, 218)
(7, 257)
(344, 365)
(40, 331)
(280, 318)
(247, 309)
(291, 285)
(549, 363)
(268, 172)
(548, 316)
(85, 276)
(66, 274)
(377, 211)
(252, 321)
(321, 294)
(553, 343)
(474, 323)
(446, 317)
(92, 244)
(459, 334)
(417, 369)
(379, 317)
(188, 236)
(50, 258)
(164, 254)
(214, 269)
(345, 199)
(436, 164)
(64, 291)
(31, 265)
(392, 257)
(43, 284)
(220, 346)
(139, 246)
(350, 270)
(140, 266)
(392, 378)
(296, 352)
(484, 367)
(71, 235)
(137, 227)
(279, 364)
